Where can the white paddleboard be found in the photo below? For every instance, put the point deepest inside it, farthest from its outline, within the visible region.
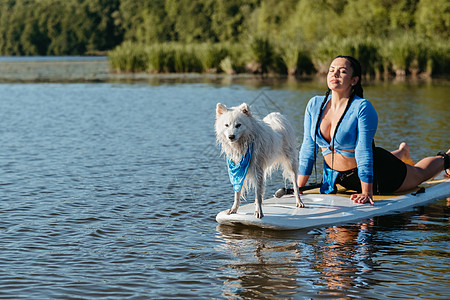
(320, 209)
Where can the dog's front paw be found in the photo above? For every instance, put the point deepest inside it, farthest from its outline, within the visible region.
(231, 211)
(259, 214)
(300, 204)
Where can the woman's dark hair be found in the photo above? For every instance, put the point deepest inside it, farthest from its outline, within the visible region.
(356, 66)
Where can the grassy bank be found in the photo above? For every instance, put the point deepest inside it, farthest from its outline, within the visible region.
(400, 56)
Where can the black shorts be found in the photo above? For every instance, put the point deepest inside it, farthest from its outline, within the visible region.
(389, 172)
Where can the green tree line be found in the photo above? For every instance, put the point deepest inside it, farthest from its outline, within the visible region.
(268, 31)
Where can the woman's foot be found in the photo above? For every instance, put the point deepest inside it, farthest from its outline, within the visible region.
(403, 154)
(446, 158)
(447, 172)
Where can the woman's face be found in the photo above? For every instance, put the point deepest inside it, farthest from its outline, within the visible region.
(340, 75)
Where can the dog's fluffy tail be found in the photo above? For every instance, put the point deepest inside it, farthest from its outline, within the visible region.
(280, 124)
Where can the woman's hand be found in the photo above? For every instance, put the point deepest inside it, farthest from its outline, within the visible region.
(366, 194)
(362, 198)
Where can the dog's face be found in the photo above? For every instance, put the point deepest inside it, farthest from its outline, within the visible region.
(232, 123)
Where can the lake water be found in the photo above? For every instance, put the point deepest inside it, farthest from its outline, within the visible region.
(110, 190)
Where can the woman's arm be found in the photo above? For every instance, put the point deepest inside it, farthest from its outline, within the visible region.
(367, 127)
(302, 180)
(306, 155)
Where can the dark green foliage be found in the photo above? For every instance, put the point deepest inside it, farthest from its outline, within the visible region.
(213, 55)
(263, 53)
(58, 27)
(292, 36)
(304, 63)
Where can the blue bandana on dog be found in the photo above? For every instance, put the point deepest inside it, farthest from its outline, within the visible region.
(238, 172)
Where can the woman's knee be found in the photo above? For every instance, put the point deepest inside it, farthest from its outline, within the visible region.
(414, 176)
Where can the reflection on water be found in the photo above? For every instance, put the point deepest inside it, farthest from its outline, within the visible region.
(339, 262)
(344, 256)
(263, 267)
(327, 262)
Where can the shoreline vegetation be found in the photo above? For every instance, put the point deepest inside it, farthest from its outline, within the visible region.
(391, 38)
(398, 57)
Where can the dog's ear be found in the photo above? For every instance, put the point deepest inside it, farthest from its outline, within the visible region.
(245, 109)
(220, 109)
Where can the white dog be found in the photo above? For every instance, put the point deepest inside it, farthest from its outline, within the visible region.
(257, 147)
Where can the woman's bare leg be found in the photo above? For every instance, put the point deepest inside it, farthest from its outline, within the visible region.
(403, 154)
(425, 169)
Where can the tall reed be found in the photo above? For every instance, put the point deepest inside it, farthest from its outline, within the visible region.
(129, 57)
(212, 55)
(263, 54)
(399, 55)
(438, 58)
(161, 59)
(364, 49)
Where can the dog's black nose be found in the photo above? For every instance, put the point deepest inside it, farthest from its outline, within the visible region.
(231, 137)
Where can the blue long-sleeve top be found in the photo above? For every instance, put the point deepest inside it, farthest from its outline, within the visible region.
(356, 132)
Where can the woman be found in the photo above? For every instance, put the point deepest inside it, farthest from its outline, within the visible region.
(343, 125)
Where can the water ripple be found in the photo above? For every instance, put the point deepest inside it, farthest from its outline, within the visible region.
(111, 190)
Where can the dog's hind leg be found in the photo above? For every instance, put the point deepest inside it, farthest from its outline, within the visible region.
(237, 201)
(258, 205)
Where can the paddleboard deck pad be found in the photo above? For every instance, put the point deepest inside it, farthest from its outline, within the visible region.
(324, 209)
